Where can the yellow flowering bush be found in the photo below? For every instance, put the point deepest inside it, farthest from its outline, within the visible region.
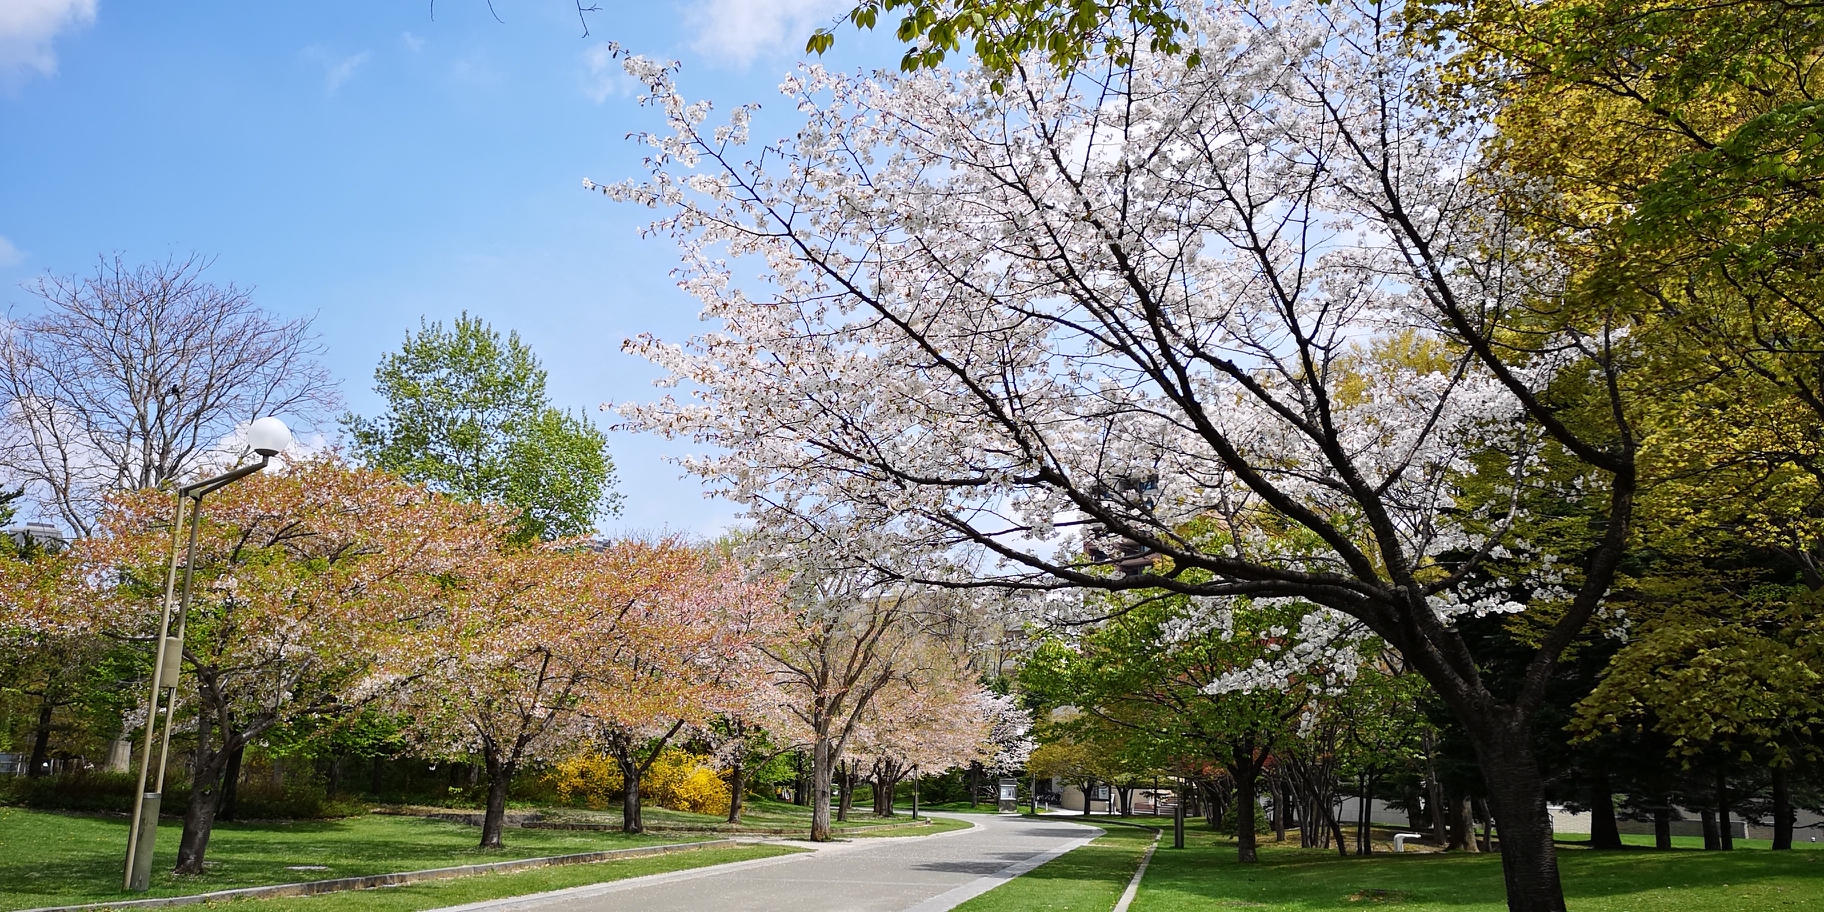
(590, 780)
(686, 782)
(678, 779)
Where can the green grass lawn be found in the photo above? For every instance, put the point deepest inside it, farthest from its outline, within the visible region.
(60, 859)
(481, 887)
(1205, 875)
(1089, 879)
(908, 827)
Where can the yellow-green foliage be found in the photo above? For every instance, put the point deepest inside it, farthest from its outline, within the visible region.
(678, 779)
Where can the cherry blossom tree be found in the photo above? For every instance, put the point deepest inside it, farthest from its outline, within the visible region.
(497, 671)
(942, 719)
(1253, 315)
(310, 581)
(687, 650)
(849, 638)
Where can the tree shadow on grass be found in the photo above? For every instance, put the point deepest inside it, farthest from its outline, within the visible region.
(1207, 874)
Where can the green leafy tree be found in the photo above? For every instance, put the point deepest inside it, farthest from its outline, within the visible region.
(1156, 681)
(468, 414)
(1000, 32)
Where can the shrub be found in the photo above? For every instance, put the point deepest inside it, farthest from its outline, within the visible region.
(586, 780)
(82, 790)
(95, 790)
(687, 782)
(678, 779)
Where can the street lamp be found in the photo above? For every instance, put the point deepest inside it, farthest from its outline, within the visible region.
(267, 436)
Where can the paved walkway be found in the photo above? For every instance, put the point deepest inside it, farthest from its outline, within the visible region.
(883, 874)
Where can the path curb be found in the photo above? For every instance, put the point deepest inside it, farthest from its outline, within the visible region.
(336, 885)
(1133, 886)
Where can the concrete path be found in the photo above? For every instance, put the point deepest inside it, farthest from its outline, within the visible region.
(884, 874)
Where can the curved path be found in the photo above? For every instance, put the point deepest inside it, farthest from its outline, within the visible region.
(882, 874)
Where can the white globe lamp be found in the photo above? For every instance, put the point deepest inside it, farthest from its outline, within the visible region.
(268, 436)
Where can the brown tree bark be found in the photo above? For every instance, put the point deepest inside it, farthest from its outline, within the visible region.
(199, 813)
(40, 765)
(1782, 811)
(820, 789)
(231, 784)
(1245, 769)
(500, 777)
(847, 803)
(1516, 802)
(737, 790)
(1605, 832)
(1725, 832)
(1434, 792)
(1462, 827)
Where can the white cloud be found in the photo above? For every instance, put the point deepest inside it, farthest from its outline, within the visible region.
(337, 72)
(10, 255)
(27, 28)
(737, 31)
(337, 69)
(605, 76)
(412, 42)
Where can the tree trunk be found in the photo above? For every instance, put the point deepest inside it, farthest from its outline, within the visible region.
(820, 789)
(1711, 840)
(1605, 833)
(801, 787)
(1725, 833)
(1364, 832)
(737, 788)
(848, 791)
(374, 773)
(1516, 802)
(40, 764)
(1336, 829)
(1782, 810)
(231, 784)
(1089, 796)
(975, 783)
(1279, 811)
(199, 813)
(1662, 828)
(631, 819)
(1244, 772)
(1434, 796)
(1462, 826)
(494, 815)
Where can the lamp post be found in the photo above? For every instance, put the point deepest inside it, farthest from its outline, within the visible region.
(267, 436)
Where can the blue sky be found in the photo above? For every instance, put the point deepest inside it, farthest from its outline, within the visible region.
(371, 164)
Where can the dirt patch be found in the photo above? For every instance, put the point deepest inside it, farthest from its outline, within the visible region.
(1378, 896)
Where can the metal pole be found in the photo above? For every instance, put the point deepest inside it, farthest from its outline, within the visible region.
(183, 615)
(1178, 818)
(915, 791)
(158, 667)
(144, 832)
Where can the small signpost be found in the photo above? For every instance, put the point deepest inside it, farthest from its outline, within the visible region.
(1010, 796)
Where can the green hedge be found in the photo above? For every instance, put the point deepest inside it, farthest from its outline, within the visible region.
(88, 790)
